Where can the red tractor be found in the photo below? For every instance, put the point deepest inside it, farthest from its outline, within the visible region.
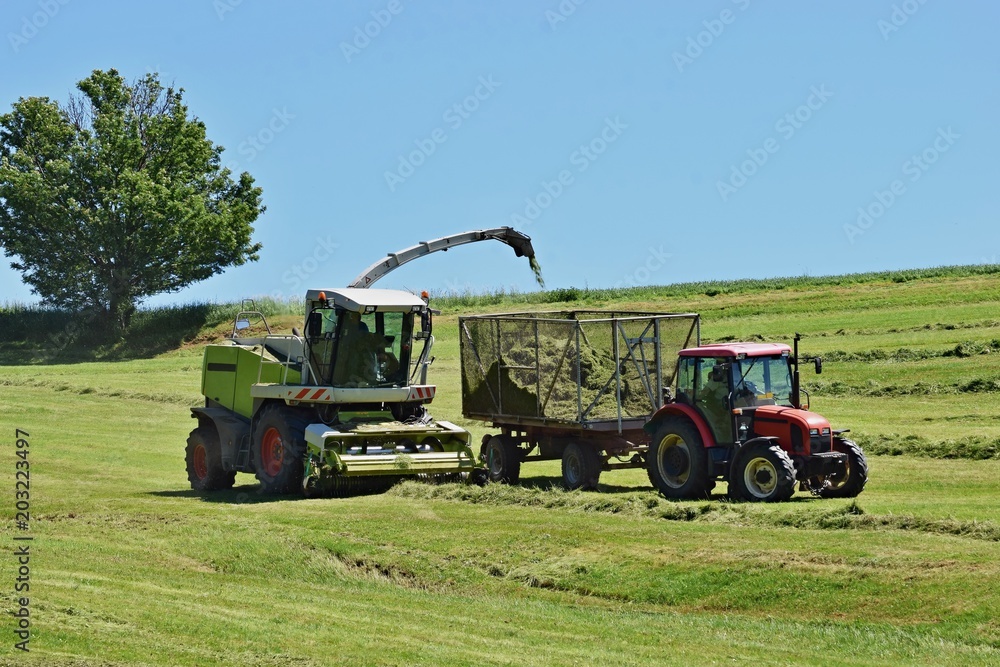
(737, 416)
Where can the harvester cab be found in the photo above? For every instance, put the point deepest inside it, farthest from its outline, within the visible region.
(737, 416)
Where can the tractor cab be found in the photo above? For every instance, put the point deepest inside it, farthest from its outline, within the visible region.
(363, 338)
(726, 383)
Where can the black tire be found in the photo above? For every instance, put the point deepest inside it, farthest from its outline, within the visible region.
(503, 459)
(677, 462)
(203, 458)
(853, 483)
(581, 467)
(762, 472)
(279, 449)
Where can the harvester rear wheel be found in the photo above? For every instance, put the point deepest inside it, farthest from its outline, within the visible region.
(279, 448)
(581, 467)
(503, 459)
(853, 482)
(762, 472)
(676, 462)
(203, 457)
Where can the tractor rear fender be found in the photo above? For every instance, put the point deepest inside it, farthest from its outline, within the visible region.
(231, 427)
(681, 410)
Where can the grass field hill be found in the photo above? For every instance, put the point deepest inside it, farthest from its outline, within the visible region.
(128, 566)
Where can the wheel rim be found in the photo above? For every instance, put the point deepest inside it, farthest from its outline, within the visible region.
(496, 461)
(574, 471)
(673, 460)
(200, 460)
(760, 477)
(272, 452)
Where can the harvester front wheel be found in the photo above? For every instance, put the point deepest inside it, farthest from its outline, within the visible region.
(677, 463)
(503, 459)
(853, 481)
(581, 467)
(203, 457)
(762, 472)
(279, 449)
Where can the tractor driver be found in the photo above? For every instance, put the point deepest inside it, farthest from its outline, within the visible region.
(713, 400)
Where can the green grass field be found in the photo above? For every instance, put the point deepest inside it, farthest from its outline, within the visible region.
(129, 567)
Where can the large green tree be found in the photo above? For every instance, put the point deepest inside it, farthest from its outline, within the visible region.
(118, 195)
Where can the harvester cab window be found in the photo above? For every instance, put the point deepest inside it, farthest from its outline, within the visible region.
(372, 349)
(321, 328)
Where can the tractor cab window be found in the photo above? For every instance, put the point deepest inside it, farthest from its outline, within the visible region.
(762, 381)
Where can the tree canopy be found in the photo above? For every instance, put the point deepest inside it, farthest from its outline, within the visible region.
(118, 195)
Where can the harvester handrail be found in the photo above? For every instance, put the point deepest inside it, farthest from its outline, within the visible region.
(289, 359)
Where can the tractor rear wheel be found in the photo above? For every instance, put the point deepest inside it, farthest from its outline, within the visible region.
(676, 462)
(581, 467)
(850, 484)
(762, 472)
(503, 459)
(279, 449)
(203, 457)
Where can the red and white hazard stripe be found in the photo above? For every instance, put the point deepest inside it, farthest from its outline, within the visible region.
(422, 393)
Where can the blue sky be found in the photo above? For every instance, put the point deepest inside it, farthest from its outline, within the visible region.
(636, 142)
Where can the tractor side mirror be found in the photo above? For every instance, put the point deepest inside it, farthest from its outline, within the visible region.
(242, 324)
(315, 325)
(818, 361)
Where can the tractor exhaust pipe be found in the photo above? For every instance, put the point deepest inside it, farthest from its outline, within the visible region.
(796, 394)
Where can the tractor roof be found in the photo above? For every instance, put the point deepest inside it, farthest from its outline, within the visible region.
(357, 299)
(737, 349)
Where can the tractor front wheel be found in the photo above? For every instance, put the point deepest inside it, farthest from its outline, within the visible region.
(279, 448)
(676, 462)
(581, 467)
(203, 457)
(852, 482)
(503, 459)
(762, 472)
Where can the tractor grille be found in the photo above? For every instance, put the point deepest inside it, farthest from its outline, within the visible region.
(821, 443)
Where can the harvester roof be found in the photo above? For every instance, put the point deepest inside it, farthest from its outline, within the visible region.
(359, 299)
(737, 349)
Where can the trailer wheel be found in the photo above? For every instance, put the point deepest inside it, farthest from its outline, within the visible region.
(581, 467)
(279, 448)
(853, 482)
(762, 472)
(676, 462)
(203, 458)
(503, 459)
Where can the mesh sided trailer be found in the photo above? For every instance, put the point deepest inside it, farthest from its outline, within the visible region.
(574, 385)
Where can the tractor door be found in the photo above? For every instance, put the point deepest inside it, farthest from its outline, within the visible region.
(710, 381)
